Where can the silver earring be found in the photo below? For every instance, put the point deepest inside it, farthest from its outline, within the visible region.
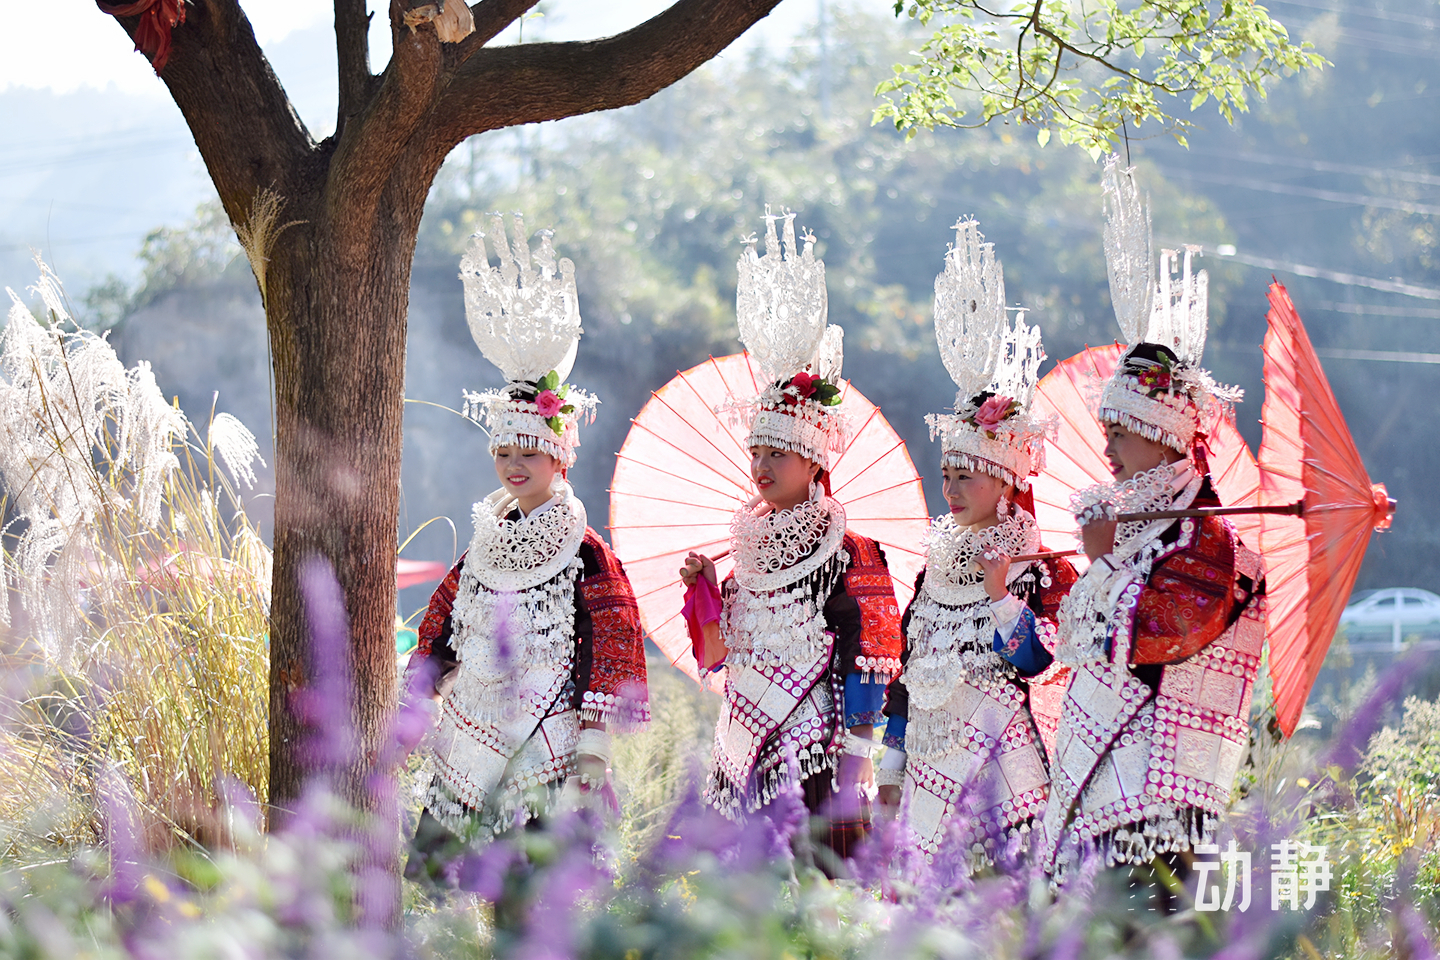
(815, 490)
(1002, 507)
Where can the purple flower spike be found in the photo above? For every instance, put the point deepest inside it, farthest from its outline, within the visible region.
(325, 705)
(123, 837)
(1348, 748)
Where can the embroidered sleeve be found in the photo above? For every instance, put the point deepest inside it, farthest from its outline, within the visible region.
(1188, 600)
(1061, 574)
(1023, 647)
(616, 691)
(897, 697)
(864, 700)
(868, 581)
(435, 629)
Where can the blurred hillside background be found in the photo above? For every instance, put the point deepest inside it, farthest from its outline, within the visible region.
(1330, 186)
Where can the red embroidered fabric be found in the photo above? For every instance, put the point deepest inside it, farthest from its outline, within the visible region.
(1188, 600)
(618, 690)
(437, 617)
(868, 582)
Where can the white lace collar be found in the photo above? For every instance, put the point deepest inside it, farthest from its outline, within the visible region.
(1170, 486)
(512, 555)
(952, 576)
(776, 548)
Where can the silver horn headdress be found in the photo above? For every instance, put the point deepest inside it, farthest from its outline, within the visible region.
(525, 317)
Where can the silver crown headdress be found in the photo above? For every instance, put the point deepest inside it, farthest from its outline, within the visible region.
(986, 354)
(525, 318)
(780, 305)
(1169, 402)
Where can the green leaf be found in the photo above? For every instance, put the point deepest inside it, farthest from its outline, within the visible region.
(1042, 136)
(568, 408)
(550, 381)
(556, 424)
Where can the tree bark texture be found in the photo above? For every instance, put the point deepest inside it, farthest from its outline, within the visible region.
(336, 276)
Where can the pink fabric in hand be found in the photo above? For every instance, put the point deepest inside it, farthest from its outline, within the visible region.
(702, 606)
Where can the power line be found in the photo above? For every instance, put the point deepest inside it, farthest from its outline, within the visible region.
(1390, 356)
(1377, 310)
(1335, 276)
(1323, 166)
(1333, 196)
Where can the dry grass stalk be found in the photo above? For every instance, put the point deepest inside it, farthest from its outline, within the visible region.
(143, 589)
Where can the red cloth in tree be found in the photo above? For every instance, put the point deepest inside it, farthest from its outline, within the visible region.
(157, 19)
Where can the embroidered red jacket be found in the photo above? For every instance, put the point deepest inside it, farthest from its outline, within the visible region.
(609, 679)
(1193, 593)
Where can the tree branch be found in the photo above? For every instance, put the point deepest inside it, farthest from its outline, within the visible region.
(248, 134)
(491, 17)
(352, 48)
(368, 148)
(503, 86)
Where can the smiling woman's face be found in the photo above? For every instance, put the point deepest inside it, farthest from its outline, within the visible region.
(973, 496)
(526, 474)
(782, 476)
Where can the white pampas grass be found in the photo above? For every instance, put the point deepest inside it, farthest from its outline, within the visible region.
(236, 446)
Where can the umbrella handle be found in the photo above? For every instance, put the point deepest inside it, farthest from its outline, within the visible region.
(1296, 509)
(1027, 557)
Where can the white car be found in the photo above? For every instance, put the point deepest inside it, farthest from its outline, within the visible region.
(1398, 610)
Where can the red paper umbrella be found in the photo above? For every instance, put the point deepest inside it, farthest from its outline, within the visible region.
(411, 573)
(1076, 459)
(1311, 562)
(684, 470)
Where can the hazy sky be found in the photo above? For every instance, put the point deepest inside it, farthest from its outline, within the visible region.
(90, 51)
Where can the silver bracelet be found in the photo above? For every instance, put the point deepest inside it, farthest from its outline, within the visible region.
(594, 742)
(889, 778)
(857, 746)
(1096, 511)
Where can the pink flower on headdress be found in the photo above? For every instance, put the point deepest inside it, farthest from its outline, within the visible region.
(992, 412)
(548, 403)
(804, 384)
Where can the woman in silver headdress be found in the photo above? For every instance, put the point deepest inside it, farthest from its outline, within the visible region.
(960, 736)
(532, 645)
(807, 627)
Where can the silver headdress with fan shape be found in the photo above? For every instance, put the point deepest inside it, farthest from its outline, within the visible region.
(525, 317)
(985, 352)
(1166, 402)
(780, 305)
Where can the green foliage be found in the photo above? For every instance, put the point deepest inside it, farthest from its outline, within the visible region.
(1085, 70)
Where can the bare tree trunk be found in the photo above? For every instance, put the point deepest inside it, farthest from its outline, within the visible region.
(338, 328)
